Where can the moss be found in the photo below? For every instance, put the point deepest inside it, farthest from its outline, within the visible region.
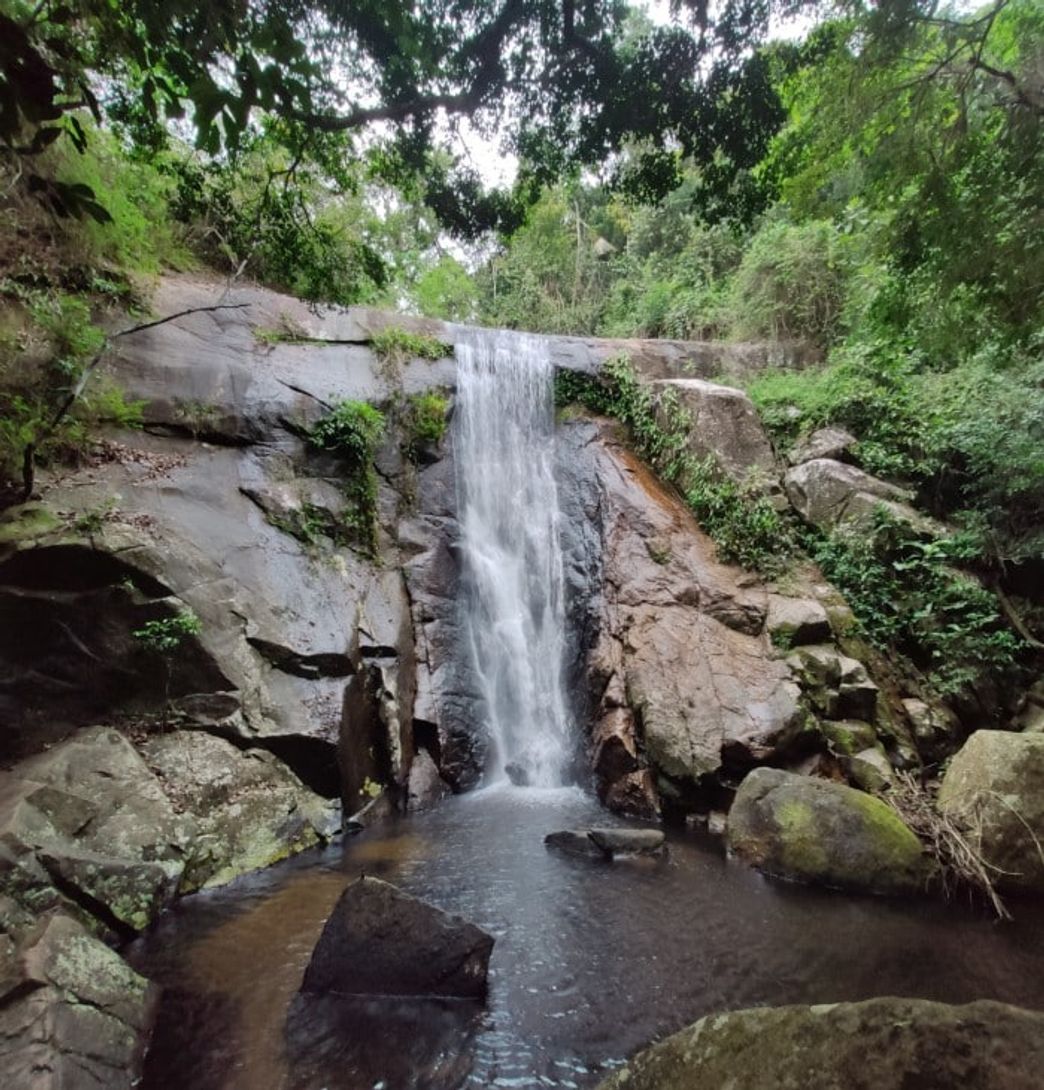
(801, 838)
(26, 523)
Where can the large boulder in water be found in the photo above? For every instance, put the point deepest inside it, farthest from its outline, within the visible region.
(73, 1015)
(381, 941)
(812, 830)
(995, 788)
(881, 1044)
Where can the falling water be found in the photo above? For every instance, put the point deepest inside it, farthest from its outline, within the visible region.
(513, 600)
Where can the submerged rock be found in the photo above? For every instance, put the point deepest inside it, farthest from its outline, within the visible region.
(812, 830)
(881, 1044)
(518, 774)
(995, 788)
(73, 1015)
(381, 941)
(606, 843)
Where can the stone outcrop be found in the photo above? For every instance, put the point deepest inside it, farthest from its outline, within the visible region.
(994, 787)
(811, 830)
(73, 1015)
(835, 443)
(247, 809)
(725, 427)
(380, 941)
(90, 827)
(880, 1044)
(607, 843)
(831, 495)
(685, 679)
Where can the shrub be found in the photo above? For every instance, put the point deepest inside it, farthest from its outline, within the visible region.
(166, 635)
(742, 522)
(353, 430)
(423, 421)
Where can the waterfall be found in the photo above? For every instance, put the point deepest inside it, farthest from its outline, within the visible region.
(514, 613)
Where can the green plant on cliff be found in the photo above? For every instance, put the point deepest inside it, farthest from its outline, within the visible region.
(353, 430)
(911, 599)
(166, 634)
(394, 347)
(743, 523)
(423, 421)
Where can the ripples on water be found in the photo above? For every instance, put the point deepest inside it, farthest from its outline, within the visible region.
(591, 961)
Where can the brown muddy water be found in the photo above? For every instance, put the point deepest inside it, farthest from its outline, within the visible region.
(591, 960)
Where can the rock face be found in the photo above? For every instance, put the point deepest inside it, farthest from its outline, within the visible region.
(995, 787)
(831, 494)
(685, 680)
(247, 809)
(90, 827)
(881, 1044)
(380, 941)
(73, 1015)
(832, 443)
(811, 830)
(725, 427)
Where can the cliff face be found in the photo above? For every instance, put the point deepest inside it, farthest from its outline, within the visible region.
(341, 664)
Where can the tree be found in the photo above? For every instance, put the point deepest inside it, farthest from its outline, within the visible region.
(561, 81)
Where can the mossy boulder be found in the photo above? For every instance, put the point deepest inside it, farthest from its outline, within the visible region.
(249, 809)
(816, 831)
(881, 1044)
(995, 788)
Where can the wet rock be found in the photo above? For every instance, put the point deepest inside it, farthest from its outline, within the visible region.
(574, 842)
(426, 787)
(815, 831)
(686, 680)
(380, 941)
(88, 821)
(847, 737)
(517, 774)
(835, 443)
(831, 494)
(628, 841)
(725, 427)
(794, 621)
(717, 823)
(881, 1044)
(249, 809)
(73, 1015)
(870, 770)
(995, 787)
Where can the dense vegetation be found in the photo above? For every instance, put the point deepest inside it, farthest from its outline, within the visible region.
(875, 189)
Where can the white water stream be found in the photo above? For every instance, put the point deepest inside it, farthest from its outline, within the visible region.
(513, 586)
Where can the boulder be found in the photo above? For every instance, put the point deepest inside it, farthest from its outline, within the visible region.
(628, 841)
(995, 787)
(794, 621)
(90, 819)
(880, 1044)
(426, 788)
(832, 443)
(249, 809)
(73, 1014)
(574, 842)
(870, 770)
(381, 941)
(725, 427)
(830, 495)
(811, 830)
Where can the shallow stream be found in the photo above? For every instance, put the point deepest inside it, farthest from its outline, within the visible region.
(591, 961)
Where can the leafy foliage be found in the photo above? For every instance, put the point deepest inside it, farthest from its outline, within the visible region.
(166, 634)
(353, 431)
(742, 522)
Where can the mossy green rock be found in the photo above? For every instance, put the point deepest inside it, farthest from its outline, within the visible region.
(882, 1044)
(995, 787)
(816, 831)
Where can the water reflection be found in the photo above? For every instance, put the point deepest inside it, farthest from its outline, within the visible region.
(591, 961)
